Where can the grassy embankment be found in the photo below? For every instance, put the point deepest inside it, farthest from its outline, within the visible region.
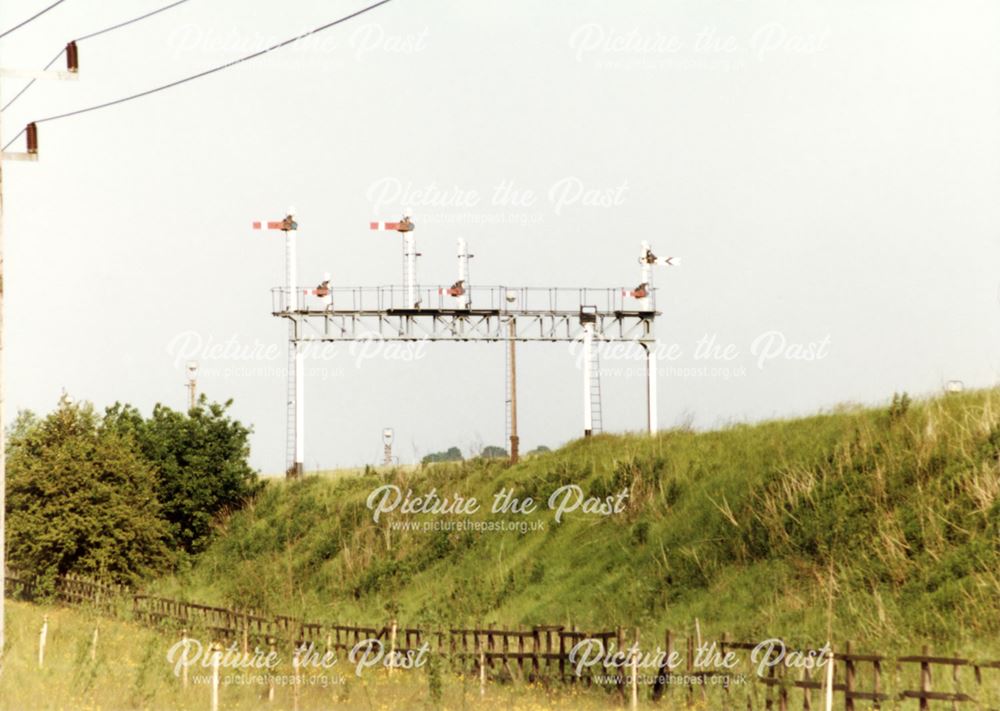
(895, 509)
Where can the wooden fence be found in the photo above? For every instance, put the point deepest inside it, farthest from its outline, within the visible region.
(542, 653)
(70, 589)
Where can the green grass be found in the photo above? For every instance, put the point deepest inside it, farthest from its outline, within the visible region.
(895, 510)
(125, 671)
(130, 670)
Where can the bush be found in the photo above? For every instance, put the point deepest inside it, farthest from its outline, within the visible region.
(81, 499)
(200, 459)
(452, 454)
(494, 452)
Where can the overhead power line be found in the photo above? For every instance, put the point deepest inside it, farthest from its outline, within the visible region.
(213, 70)
(129, 22)
(205, 73)
(90, 36)
(31, 19)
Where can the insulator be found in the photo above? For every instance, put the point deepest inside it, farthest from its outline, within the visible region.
(32, 135)
(72, 58)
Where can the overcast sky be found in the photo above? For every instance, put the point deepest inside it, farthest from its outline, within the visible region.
(828, 171)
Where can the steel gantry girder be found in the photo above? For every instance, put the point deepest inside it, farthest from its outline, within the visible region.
(466, 325)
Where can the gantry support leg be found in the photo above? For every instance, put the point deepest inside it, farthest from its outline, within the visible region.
(588, 367)
(652, 424)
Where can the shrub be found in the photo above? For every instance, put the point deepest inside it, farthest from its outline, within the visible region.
(81, 500)
(200, 460)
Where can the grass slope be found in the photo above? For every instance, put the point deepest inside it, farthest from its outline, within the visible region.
(895, 510)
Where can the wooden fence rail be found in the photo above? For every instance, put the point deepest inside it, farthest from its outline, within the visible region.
(542, 653)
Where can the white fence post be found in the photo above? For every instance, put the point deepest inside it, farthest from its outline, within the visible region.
(270, 676)
(216, 659)
(482, 666)
(392, 644)
(41, 641)
(295, 679)
(829, 681)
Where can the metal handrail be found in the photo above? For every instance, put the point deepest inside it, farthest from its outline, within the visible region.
(505, 299)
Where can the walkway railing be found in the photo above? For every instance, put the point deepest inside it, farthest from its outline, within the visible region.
(504, 299)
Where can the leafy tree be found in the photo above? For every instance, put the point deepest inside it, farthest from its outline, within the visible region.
(493, 452)
(80, 499)
(200, 460)
(452, 454)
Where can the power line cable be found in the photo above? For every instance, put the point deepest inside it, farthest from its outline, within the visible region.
(129, 22)
(31, 19)
(89, 36)
(205, 73)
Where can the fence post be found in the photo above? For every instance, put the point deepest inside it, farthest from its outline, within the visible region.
(184, 666)
(566, 636)
(925, 679)
(635, 672)
(489, 645)
(216, 659)
(829, 679)
(671, 648)
(956, 685)
(93, 646)
(620, 649)
(689, 664)
(667, 669)
(520, 653)
(270, 677)
(565, 653)
(724, 641)
(848, 678)
(536, 643)
(504, 651)
(806, 691)
(978, 676)
(41, 640)
(877, 681)
(482, 664)
(295, 679)
(392, 644)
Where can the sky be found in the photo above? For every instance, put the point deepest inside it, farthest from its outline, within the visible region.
(827, 171)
